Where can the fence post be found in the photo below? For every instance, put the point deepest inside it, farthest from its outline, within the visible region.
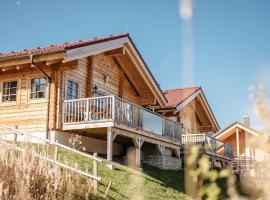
(56, 152)
(95, 173)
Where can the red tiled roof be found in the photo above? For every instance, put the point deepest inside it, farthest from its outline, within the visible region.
(177, 96)
(59, 47)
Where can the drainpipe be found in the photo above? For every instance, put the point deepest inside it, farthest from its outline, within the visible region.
(48, 85)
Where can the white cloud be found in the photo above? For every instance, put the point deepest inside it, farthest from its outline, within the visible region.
(18, 3)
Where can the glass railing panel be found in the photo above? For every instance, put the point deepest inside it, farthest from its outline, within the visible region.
(220, 150)
(177, 131)
(168, 128)
(228, 151)
(152, 122)
(127, 114)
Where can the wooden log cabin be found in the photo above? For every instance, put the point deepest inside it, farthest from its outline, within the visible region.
(102, 90)
(245, 141)
(190, 107)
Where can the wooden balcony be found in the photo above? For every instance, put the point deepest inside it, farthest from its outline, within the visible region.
(112, 111)
(210, 145)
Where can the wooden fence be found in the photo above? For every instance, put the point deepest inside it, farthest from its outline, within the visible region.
(55, 160)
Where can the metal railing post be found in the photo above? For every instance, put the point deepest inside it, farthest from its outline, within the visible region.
(163, 127)
(113, 107)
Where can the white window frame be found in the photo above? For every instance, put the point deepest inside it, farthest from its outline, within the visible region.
(10, 103)
(70, 78)
(39, 100)
(74, 82)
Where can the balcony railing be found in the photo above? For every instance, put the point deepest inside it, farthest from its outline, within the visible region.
(216, 146)
(192, 138)
(115, 109)
(209, 144)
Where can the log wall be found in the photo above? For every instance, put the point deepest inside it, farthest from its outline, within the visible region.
(28, 115)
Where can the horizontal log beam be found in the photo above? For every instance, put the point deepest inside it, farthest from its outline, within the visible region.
(37, 58)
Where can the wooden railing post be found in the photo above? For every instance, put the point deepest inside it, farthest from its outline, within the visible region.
(64, 111)
(95, 173)
(87, 110)
(56, 152)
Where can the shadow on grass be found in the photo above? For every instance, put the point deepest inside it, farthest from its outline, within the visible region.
(167, 178)
(176, 181)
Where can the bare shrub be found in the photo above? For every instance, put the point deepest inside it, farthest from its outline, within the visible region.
(25, 176)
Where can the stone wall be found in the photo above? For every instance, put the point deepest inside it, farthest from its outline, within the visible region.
(151, 156)
(163, 162)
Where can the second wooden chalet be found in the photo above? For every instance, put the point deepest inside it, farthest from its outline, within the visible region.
(241, 136)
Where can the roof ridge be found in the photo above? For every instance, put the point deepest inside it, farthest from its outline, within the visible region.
(182, 88)
(60, 46)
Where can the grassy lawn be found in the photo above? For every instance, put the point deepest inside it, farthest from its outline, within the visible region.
(127, 183)
(147, 182)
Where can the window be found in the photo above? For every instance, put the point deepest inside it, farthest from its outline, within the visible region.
(9, 91)
(72, 90)
(98, 94)
(38, 88)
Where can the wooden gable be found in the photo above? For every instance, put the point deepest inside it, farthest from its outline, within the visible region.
(194, 112)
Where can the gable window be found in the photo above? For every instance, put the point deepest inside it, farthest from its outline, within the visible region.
(38, 88)
(72, 90)
(9, 91)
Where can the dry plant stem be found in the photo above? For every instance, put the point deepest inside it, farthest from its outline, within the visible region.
(24, 176)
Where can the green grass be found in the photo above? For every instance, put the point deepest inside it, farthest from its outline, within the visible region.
(127, 183)
(149, 182)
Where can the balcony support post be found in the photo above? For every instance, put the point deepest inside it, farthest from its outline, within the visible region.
(160, 148)
(177, 153)
(213, 161)
(110, 138)
(138, 144)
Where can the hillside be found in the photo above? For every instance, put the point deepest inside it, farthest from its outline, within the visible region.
(148, 182)
(127, 183)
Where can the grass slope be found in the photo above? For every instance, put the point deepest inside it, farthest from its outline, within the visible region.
(127, 183)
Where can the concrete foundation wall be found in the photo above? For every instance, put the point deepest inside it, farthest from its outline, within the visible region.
(37, 137)
(90, 144)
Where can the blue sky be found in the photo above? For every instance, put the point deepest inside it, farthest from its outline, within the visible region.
(229, 40)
